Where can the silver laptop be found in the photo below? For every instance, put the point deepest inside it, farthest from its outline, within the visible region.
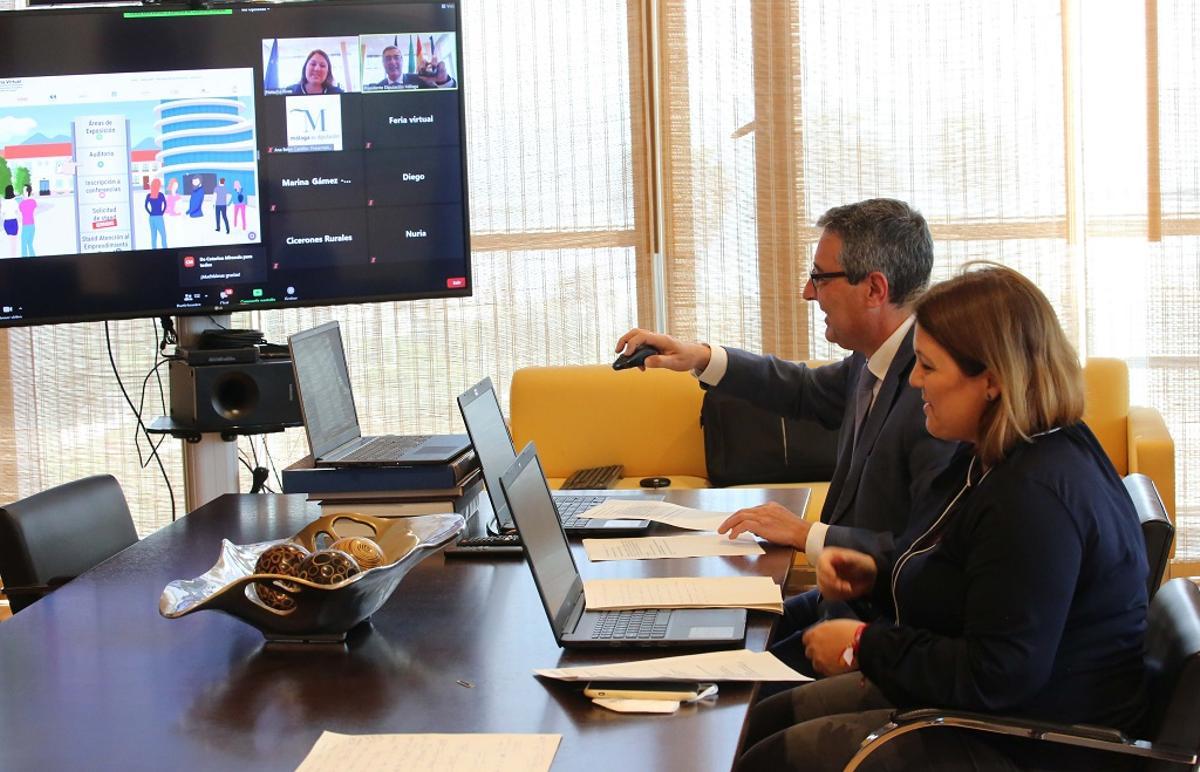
(494, 447)
(558, 582)
(331, 421)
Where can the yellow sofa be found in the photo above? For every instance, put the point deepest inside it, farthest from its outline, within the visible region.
(592, 415)
(649, 421)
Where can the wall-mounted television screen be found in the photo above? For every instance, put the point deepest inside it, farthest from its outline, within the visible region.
(170, 162)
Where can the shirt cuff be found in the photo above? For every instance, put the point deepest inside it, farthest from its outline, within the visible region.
(815, 542)
(717, 363)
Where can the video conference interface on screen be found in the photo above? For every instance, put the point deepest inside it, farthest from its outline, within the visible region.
(231, 158)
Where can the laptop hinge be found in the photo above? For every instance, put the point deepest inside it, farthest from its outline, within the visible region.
(578, 606)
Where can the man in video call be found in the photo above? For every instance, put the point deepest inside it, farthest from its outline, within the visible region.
(392, 67)
(873, 258)
(221, 204)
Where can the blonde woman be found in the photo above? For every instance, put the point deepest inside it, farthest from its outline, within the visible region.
(1022, 586)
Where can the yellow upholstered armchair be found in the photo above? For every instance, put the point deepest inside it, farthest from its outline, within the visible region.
(592, 415)
(1135, 438)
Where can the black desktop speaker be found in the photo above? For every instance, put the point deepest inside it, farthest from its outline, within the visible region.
(220, 397)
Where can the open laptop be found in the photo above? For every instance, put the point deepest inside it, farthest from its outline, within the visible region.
(494, 447)
(558, 582)
(331, 421)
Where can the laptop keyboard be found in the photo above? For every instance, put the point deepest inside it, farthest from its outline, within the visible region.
(386, 448)
(571, 507)
(635, 624)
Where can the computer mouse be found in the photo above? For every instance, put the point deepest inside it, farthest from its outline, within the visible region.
(636, 359)
(655, 482)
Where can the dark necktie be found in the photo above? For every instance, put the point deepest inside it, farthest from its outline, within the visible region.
(862, 401)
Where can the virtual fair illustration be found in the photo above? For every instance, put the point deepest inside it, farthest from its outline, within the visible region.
(110, 163)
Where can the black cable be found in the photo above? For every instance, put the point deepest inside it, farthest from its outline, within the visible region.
(253, 450)
(162, 392)
(112, 360)
(154, 446)
(259, 467)
(271, 464)
(258, 476)
(169, 336)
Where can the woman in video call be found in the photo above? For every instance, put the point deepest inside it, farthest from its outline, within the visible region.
(27, 206)
(317, 75)
(172, 196)
(1022, 587)
(156, 206)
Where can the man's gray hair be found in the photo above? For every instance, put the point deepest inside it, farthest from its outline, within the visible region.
(884, 235)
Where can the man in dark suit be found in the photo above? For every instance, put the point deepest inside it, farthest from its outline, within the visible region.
(392, 61)
(872, 260)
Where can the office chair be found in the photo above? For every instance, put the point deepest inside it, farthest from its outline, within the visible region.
(51, 537)
(1173, 668)
(1156, 527)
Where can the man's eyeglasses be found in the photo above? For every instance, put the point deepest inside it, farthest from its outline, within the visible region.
(816, 277)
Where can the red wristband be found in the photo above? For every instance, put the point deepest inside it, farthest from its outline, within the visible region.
(858, 638)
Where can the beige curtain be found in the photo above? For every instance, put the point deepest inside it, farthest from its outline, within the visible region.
(1058, 138)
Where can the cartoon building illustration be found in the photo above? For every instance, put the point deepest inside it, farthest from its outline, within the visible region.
(49, 164)
(206, 139)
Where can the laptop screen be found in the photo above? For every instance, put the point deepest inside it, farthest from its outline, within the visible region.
(531, 506)
(493, 445)
(323, 385)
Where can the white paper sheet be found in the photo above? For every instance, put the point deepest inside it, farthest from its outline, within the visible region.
(657, 511)
(735, 665)
(652, 547)
(752, 592)
(431, 753)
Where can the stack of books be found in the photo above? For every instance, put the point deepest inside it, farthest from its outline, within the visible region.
(383, 490)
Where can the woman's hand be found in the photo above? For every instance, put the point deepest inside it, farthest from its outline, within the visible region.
(771, 521)
(843, 574)
(825, 645)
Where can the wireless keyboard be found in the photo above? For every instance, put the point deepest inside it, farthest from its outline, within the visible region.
(595, 478)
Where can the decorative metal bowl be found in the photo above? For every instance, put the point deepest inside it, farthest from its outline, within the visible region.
(322, 613)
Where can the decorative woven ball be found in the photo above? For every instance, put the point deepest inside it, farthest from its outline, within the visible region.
(273, 597)
(279, 559)
(328, 567)
(365, 552)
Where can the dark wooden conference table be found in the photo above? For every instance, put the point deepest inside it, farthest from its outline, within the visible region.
(93, 677)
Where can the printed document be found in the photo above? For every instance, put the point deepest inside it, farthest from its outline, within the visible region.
(759, 593)
(737, 665)
(431, 753)
(650, 547)
(658, 512)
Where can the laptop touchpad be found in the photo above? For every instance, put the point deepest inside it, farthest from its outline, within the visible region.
(710, 632)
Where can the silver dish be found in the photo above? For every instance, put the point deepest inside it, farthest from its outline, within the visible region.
(322, 613)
